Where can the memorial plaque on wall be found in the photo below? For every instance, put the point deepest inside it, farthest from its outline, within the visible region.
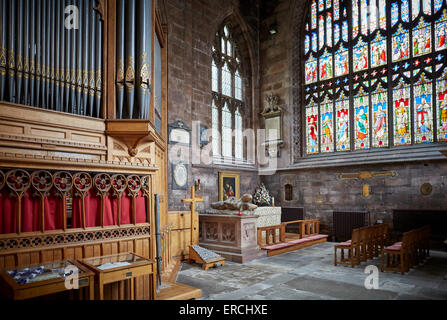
(179, 133)
(179, 176)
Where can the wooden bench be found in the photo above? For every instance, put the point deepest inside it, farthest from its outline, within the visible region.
(275, 240)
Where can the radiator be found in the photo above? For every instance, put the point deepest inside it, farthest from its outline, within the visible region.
(346, 221)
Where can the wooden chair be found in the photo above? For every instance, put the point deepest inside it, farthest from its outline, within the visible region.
(396, 256)
(364, 240)
(353, 247)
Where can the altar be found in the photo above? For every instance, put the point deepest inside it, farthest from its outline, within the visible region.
(233, 235)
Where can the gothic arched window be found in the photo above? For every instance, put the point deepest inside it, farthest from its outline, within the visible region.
(228, 97)
(375, 74)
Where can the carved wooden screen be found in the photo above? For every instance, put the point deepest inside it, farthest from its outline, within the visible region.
(37, 200)
(49, 60)
(375, 74)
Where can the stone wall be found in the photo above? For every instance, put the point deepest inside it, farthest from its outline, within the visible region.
(276, 68)
(321, 191)
(191, 27)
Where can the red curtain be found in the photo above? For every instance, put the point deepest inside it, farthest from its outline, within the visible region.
(93, 210)
(31, 212)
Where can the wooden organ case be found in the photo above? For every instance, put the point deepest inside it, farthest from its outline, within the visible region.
(82, 132)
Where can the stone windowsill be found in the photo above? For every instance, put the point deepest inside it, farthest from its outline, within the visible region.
(229, 164)
(394, 155)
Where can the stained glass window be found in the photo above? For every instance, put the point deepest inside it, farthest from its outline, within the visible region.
(342, 124)
(336, 34)
(405, 11)
(312, 128)
(379, 103)
(321, 39)
(378, 51)
(327, 126)
(421, 39)
(415, 5)
(336, 9)
(441, 103)
(360, 56)
(438, 5)
(361, 122)
(326, 66)
(341, 62)
(382, 14)
(329, 29)
(228, 96)
(402, 121)
(427, 6)
(360, 96)
(401, 44)
(423, 112)
(441, 32)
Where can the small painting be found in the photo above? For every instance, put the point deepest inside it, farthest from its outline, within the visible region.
(228, 185)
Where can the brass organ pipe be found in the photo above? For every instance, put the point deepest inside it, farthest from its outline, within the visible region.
(11, 51)
(58, 52)
(52, 75)
(120, 71)
(38, 78)
(44, 54)
(92, 60)
(85, 55)
(3, 53)
(141, 63)
(98, 67)
(130, 58)
(67, 65)
(73, 71)
(32, 51)
(149, 59)
(19, 53)
(26, 56)
(47, 55)
(79, 63)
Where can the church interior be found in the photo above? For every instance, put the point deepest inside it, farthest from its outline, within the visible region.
(223, 150)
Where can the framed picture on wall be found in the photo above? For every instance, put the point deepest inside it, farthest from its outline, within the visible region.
(228, 185)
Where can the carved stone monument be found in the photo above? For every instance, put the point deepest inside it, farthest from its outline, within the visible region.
(229, 228)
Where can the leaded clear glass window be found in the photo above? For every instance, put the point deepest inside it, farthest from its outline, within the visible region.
(228, 97)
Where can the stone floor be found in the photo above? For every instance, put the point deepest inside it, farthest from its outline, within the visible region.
(310, 274)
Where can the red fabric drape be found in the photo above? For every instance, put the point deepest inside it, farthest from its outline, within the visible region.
(93, 213)
(31, 213)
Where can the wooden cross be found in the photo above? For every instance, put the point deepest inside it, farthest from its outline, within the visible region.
(193, 201)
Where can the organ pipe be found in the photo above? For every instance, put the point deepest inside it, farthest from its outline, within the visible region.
(133, 87)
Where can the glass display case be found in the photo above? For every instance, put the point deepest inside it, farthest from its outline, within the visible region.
(37, 280)
(121, 267)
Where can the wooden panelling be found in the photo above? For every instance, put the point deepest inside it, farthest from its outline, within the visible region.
(112, 291)
(180, 242)
(179, 220)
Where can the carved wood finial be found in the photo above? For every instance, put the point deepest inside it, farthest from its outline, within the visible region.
(100, 8)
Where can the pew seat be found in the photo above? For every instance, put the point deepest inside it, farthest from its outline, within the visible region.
(275, 240)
